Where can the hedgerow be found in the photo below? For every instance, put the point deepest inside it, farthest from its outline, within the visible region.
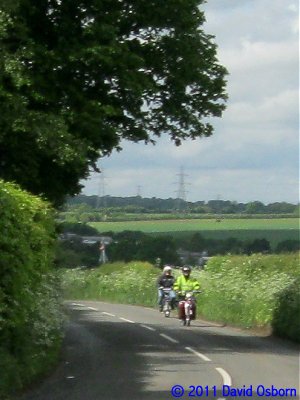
(30, 314)
(132, 283)
(258, 291)
(254, 291)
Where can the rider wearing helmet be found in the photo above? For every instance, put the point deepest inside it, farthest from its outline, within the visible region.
(184, 283)
(166, 280)
(184, 286)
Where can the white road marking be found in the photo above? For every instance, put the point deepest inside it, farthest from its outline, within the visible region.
(127, 320)
(148, 327)
(198, 354)
(226, 377)
(168, 338)
(107, 313)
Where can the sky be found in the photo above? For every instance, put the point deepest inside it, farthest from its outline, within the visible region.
(253, 154)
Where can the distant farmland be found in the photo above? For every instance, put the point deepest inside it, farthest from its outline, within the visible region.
(197, 225)
(274, 230)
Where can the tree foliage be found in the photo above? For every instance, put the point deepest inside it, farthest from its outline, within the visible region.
(136, 204)
(78, 76)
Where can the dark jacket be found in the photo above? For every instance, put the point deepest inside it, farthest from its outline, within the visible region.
(166, 281)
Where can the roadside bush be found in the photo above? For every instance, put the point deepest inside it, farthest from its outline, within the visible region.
(254, 291)
(286, 318)
(133, 283)
(30, 317)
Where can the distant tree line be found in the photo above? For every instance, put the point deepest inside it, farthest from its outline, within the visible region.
(132, 246)
(110, 205)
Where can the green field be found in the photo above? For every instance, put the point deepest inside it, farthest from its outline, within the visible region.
(198, 225)
(274, 230)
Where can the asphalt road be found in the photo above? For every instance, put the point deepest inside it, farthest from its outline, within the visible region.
(119, 352)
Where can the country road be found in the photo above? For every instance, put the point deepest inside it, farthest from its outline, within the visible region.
(120, 352)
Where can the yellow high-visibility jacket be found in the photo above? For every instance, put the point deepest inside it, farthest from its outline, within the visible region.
(186, 284)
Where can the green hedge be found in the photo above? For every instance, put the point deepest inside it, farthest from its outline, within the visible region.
(254, 291)
(286, 319)
(132, 283)
(30, 315)
(258, 291)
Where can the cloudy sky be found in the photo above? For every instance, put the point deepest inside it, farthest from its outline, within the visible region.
(254, 152)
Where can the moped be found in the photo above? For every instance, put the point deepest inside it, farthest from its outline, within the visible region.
(187, 307)
(166, 301)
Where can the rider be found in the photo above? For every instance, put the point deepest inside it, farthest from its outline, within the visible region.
(166, 280)
(184, 283)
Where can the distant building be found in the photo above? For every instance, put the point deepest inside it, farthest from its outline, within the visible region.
(106, 240)
(88, 240)
(69, 236)
(193, 257)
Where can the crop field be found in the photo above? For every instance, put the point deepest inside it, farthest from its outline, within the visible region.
(198, 225)
(274, 230)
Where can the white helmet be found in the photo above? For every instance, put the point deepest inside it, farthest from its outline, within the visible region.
(167, 268)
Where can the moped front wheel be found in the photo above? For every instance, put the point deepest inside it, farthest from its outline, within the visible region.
(167, 309)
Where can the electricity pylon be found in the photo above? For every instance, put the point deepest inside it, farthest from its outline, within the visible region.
(181, 192)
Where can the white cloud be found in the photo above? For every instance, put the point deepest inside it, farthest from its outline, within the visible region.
(253, 56)
(246, 185)
(232, 20)
(278, 109)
